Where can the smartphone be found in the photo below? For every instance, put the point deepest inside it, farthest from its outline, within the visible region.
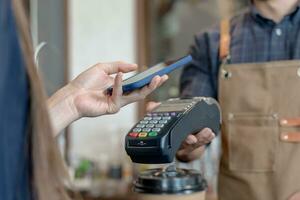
(144, 78)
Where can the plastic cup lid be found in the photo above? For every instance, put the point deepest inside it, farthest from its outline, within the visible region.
(170, 181)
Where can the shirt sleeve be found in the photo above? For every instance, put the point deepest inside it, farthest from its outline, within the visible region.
(200, 78)
(15, 164)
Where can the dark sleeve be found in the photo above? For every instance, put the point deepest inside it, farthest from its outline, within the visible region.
(15, 181)
(200, 78)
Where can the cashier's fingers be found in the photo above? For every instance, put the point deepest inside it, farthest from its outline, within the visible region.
(194, 145)
(188, 155)
(201, 138)
(205, 136)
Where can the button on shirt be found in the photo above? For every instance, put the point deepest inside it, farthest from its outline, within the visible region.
(254, 38)
(14, 162)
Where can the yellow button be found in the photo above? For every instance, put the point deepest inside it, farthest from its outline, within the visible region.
(143, 135)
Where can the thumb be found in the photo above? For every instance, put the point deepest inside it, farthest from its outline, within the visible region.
(115, 104)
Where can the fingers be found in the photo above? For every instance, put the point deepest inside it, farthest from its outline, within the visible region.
(152, 105)
(156, 82)
(191, 139)
(164, 78)
(115, 99)
(296, 196)
(204, 137)
(117, 88)
(114, 67)
(194, 145)
(145, 91)
(187, 156)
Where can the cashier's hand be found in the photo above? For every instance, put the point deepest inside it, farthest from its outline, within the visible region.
(86, 95)
(194, 145)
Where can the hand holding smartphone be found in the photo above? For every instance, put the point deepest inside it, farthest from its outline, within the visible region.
(144, 78)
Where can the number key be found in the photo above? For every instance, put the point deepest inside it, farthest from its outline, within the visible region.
(140, 125)
(159, 125)
(163, 121)
(156, 129)
(153, 122)
(146, 129)
(149, 126)
(173, 114)
(137, 130)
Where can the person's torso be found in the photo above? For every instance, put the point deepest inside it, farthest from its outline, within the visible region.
(260, 111)
(257, 39)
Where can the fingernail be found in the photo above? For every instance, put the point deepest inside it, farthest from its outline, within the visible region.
(207, 134)
(189, 140)
(208, 130)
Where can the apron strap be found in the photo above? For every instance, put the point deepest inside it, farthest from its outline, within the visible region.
(225, 39)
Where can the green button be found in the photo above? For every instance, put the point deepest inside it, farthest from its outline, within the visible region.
(152, 134)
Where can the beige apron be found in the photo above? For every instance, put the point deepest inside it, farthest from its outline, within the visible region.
(261, 128)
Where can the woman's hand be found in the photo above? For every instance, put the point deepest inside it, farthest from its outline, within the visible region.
(86, 95)
(91, 99)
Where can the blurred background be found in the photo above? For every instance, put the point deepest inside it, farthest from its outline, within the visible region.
(71, 35)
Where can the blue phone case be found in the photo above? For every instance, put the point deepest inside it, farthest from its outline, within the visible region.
(166, 70)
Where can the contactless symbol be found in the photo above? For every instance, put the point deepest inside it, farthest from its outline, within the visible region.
(142, 143)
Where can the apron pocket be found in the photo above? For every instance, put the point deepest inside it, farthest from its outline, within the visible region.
(253, 141)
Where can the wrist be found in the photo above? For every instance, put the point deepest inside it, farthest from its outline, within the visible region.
(62, 109)
(71, 93)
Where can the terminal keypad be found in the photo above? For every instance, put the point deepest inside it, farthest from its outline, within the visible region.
(152, 125)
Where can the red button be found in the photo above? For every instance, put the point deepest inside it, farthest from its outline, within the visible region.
(133, 134)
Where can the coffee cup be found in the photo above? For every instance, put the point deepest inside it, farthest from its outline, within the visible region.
(170, 184)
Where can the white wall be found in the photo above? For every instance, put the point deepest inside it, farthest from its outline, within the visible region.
(100, 30)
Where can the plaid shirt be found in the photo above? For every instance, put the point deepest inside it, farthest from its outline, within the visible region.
(254, 38)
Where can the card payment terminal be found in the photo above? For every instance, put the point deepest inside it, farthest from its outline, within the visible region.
(158, 136)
